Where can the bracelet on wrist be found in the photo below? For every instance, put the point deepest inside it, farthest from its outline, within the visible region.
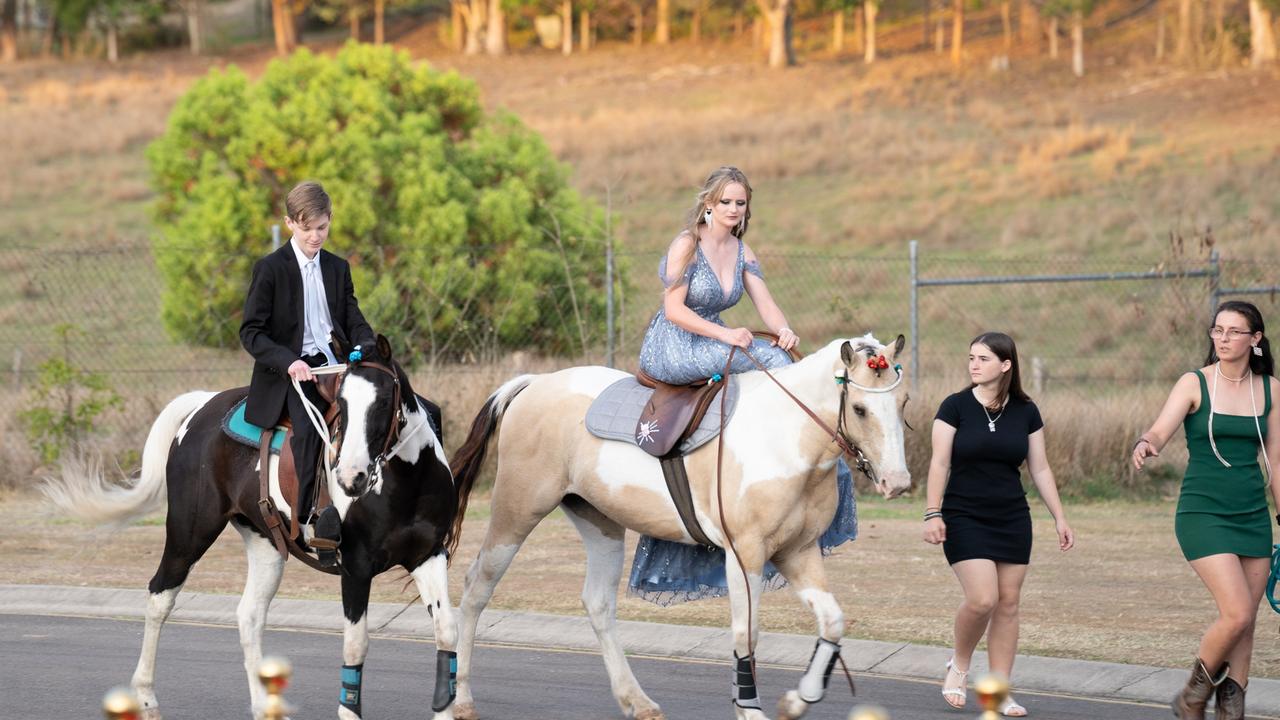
(931, 515)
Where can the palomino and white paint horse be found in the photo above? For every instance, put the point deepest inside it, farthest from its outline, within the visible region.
(396, 510)
(778, 482)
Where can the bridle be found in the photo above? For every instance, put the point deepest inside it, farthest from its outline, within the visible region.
(334, 419)
(850, 446)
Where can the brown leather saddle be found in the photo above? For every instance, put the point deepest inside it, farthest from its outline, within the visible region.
(672, 413)
(287, 473)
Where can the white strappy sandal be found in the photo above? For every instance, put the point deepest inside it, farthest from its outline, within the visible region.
(1011, 708)
(955, 697)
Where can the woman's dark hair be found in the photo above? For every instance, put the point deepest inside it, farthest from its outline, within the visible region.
(1011, 382)
(1263, 364)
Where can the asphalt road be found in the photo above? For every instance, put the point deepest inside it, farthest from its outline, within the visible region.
(58, 668)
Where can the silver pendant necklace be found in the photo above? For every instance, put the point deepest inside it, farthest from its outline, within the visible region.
(991, 421)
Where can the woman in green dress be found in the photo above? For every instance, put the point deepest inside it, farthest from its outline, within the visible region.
(1222, 523)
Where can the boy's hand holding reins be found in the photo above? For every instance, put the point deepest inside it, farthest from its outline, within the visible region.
(300, 371)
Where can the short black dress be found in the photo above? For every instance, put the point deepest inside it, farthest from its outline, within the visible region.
(985, 507)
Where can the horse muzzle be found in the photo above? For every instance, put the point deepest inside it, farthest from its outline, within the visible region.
(893, 484)
(355, 485)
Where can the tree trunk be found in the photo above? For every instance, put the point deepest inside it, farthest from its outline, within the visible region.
(1028, 22)
(566, 22)
(353, 19)
(379, 21)
(1160, 31)
(859, 32)
(957, 33)
(1077, 43)
(662, 33)
(870, 7)
(924, 43)
(837, 31)
(637, 20)
(46, 41)
(113, 43)
(495, 41)
(282, 23)
(9, 32)
(1182, 48)
(1053, 37)
(739, 26)
(1006, 24)
(1220, 30)
(1262, 37)
(695, 25)
(473, 17)
(779, 18)
(195, 11)
(584, 29)
(457, 30)
(940, 35)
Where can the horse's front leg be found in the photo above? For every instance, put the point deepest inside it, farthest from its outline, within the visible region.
(266, 567)
(433, 585)
(805, 572)
(355, 644)
(745, 585)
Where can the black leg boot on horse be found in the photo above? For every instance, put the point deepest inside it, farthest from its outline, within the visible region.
(1191, 701)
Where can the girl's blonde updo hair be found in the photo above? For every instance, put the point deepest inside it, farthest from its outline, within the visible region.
(710, 194)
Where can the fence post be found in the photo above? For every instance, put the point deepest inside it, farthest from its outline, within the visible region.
(17, 369)
(1037, 374)
(608, 299)
(915, 316)
(1215, 272)
(275, 237)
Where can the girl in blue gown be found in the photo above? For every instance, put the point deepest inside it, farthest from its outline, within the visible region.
(705, 272)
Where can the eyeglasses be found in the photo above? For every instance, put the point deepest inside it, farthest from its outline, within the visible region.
(1218, 333)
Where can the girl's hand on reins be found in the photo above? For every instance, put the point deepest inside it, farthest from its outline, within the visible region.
(935, 531)
(739, 337)
(787, 339)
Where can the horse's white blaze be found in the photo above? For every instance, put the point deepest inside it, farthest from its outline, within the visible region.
(592, 380)
(354, 459)
(432, 579)
(893, 456)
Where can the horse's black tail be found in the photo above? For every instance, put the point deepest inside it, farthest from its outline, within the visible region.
(83, 492)
(469, 459)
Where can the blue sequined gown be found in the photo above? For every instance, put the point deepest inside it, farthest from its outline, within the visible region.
(667, 572)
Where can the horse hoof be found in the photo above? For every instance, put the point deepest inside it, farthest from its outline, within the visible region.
(465, 711)
(653, 714)
(791, 706)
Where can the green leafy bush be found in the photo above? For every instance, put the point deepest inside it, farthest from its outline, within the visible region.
(462, 231)
(65, 403)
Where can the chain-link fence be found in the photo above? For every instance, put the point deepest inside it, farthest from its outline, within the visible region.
(1087, 344)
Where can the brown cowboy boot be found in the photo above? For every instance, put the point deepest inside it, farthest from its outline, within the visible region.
(1191, 701)
(1230, 701)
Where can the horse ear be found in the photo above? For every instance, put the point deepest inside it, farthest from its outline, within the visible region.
(898, 344)
(846, 353)
(384, 347)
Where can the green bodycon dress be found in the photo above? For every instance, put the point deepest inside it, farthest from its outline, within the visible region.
(1224, 509)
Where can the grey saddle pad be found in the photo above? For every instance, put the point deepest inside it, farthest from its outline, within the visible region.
(614, 414)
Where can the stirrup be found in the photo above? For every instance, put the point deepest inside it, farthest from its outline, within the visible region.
(961, 693)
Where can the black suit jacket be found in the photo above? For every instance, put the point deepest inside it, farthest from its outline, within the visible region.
(274, 322)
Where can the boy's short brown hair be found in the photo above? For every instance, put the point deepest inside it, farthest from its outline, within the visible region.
(307, 201)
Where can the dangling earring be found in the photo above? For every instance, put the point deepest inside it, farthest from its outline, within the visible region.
(706, 217)
(1257, 351)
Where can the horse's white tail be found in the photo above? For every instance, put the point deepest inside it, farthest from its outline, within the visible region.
(83, 492)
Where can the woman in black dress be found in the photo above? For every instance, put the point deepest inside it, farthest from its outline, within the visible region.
(981, 436)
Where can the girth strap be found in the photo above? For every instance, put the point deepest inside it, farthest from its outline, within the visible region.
(678, 485)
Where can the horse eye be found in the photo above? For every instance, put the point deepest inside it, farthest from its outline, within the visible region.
(859, 410)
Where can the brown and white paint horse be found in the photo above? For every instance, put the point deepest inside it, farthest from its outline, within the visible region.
(397, 512)
(778, 481)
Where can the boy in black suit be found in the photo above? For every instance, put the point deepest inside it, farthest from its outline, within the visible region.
(299, 295)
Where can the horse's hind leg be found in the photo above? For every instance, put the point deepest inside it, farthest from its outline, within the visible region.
(185, 542)
(260, 585)
(433, 585)
(806, 574)
(603, 539)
